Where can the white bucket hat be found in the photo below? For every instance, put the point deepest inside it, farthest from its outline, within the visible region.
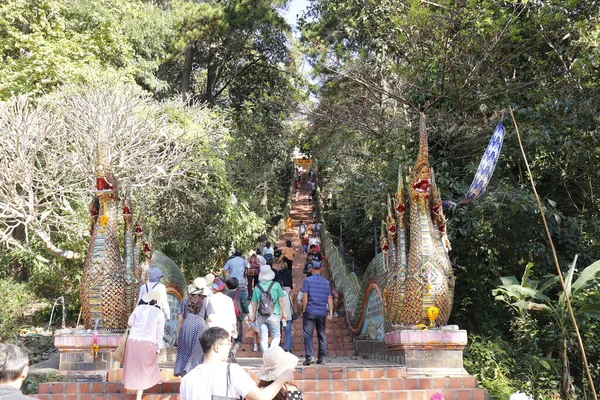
(275, 361)
(266, 273)
(198, 287)
(209, 279)
(153, 294)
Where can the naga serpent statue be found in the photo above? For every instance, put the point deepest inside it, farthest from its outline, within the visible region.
(103, 285)
(413, 271)
(110, 283)
(130, 278)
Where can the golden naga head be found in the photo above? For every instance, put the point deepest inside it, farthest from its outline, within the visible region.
(383, 240)
(421, 182)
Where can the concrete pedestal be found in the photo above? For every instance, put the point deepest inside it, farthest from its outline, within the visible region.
(429, 352)
(75, 352)
(434, 352)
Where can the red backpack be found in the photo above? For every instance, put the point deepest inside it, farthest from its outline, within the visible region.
(238, 312)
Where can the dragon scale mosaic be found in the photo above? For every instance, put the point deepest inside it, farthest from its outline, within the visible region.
(413, 271)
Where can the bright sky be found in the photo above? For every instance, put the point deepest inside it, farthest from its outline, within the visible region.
(295, 8)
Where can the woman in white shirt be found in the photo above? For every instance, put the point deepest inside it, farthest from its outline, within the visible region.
(223, 310)
(154, 276)
(147, 325)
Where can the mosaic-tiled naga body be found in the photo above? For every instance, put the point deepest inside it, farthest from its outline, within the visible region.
(413, 272)
(421, 277)
(103, 286)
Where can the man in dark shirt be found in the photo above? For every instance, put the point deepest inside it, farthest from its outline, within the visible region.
(284, 277)
(308, 265)
(312, 250)
(277, 254)
(316, 297)
(14, 365)
(239, 302)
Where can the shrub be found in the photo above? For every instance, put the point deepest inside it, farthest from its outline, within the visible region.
(32, 382)
(16, 299)
(487, 359)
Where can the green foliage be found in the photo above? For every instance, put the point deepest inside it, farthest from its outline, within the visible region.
(18, 299)
(32, 382)
(503, 368)
(52, 42)
(463, 64)
(224, 48)
(527, 295)
(488, 360)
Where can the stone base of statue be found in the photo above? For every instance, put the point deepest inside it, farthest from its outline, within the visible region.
(77, 360)
(432, 352)
(74, 347)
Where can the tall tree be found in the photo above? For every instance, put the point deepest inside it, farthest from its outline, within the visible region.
(462, 64)
(47, 43)
(223, 42)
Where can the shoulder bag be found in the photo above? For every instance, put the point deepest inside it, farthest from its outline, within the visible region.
(119, 352)
(226, 397)
(294, 314)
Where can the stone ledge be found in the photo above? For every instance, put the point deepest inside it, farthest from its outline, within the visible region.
(431, 338)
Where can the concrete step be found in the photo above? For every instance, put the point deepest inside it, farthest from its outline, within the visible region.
(449, 394)
(331, 346)
(327, 381)
(333, 371)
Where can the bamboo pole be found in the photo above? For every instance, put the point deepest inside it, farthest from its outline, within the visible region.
(556, 263)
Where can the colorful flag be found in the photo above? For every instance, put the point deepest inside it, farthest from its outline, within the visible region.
(484, 171)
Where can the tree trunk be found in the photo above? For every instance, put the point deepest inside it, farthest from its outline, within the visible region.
(566, 375)
(265, 198)
(211, 77)
(186, 73)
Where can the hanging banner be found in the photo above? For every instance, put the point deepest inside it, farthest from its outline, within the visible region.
(484, 171)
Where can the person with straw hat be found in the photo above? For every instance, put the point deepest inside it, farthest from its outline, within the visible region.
(193, 312)
(147, 325)
(275, 362)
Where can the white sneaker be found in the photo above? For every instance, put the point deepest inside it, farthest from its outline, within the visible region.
(255, 348)
(336, 314)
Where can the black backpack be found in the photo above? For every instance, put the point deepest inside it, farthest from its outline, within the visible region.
(266, 307)
(307, 267)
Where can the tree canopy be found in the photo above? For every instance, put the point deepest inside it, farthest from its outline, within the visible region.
(464, 64)
(203, 102)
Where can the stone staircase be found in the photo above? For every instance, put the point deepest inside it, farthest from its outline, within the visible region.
(342, 381)
(344, 377)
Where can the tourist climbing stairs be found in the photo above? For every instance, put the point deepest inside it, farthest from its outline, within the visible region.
(343, 377)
